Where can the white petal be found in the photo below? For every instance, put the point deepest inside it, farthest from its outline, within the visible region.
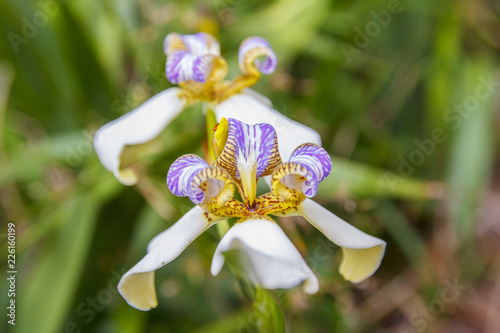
(138, 126)
(250, 110)
(137, 285)
(266, 256)
(362, 253)
(261, 98)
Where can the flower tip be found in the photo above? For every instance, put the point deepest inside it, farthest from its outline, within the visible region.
(311, 285)
(126, 177)
(217, 263)
(359, 264)
(138, 290)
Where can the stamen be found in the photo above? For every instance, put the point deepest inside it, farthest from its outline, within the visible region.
(219, 140)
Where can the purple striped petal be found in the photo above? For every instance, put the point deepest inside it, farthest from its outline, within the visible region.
(181, 174)
(315, 158)
(191, 176)
(251, 49)
(249, 147)
(201, 43)
(190, 57)
(197, 44)
(309, 164)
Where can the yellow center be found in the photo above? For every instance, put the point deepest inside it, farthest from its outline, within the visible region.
(215, 89)
(282, 202)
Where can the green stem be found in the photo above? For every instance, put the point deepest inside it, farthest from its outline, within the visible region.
(211, 121)
(222, 227)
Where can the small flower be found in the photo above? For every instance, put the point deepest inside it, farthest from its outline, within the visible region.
(194, 63)
(246, 153)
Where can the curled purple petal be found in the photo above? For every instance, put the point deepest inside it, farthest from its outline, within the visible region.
(190, 57)
(201, 43)
(197, 44)
(181, 174)
(251, 49)
(317, 162)
(314, 157)
(191, 176)
(182, 66)
(309, 164)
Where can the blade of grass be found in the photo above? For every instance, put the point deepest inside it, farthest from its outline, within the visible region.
(472, 147)
(350, 178)
(403, 233)
(49, 282)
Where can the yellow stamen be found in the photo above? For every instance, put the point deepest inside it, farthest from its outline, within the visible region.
(219, 140)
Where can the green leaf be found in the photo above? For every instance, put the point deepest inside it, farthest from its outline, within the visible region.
(472, 146)
(403, 233)
(234, 322)
(54, 277)
(269, 317)
(360, 180)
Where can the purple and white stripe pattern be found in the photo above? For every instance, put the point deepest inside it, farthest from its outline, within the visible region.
(251, 49)
(190, 57)
(190, 176)
(251, 152)
(180, 177)
(308, 165)
(313, 157)
(254, 146)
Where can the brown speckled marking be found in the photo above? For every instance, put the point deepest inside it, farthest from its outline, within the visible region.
(285, 169)
(227, 192)
(282, 201)
(228, 158)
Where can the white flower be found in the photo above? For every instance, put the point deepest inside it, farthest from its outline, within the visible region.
(195, 64)
(246, 153)
(266, 255)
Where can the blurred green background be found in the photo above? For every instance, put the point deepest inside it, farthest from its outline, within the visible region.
(404, 95)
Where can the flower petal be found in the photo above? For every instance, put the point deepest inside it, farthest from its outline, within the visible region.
(248, 56)
(362, 253)
(249, 145)
(138, 126)
(309, 164)
(197, 44)
(181, 174)
(192, 57)
(191, 176)
(288, 182)
(315, 158)
(250, 110)
(265, 255)
(259, 97)
(137, 285)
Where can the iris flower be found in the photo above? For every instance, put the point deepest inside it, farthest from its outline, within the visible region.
(245, 153)
(194, 63)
